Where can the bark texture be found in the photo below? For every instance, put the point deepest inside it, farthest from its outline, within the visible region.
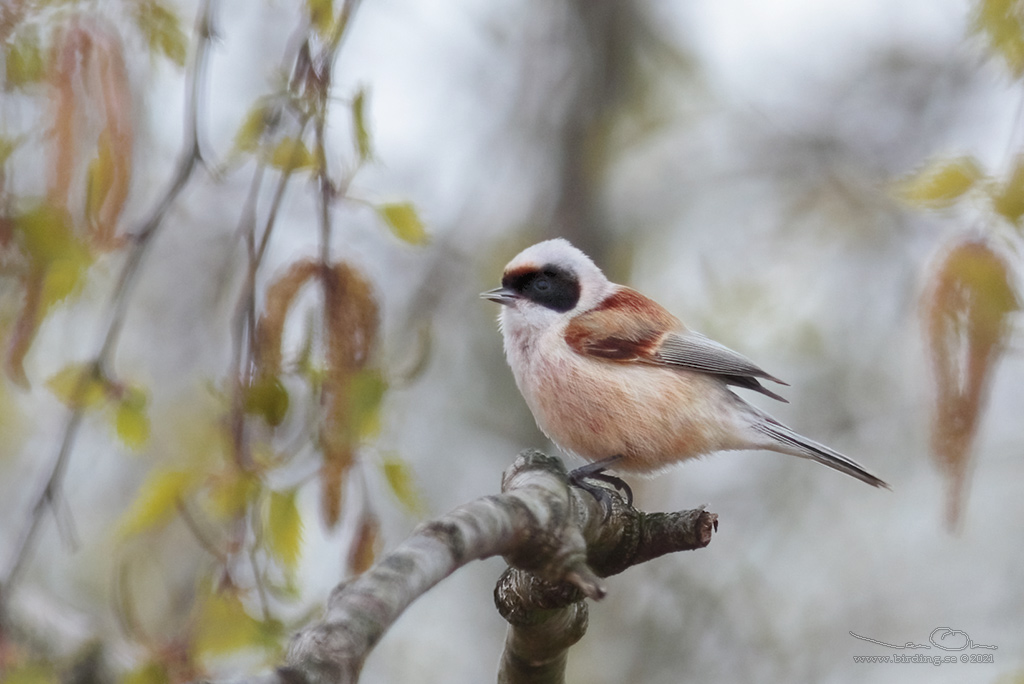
(558, 540)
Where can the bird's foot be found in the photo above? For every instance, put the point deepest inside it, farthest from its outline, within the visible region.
(596, 471)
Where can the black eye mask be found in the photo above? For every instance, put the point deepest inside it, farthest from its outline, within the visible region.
(550, 286)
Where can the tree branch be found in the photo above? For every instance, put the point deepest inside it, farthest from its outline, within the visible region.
(559, 539)
(546, 618)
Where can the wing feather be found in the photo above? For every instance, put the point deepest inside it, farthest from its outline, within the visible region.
(694, 350)
(630, 328)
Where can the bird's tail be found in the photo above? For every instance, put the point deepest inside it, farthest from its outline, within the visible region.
(792, 443)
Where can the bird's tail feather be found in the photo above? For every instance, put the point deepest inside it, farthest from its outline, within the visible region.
(798, 445)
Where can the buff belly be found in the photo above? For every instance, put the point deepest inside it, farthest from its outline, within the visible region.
(651, 416)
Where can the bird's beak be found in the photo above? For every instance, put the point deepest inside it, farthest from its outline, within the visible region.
(502, 295)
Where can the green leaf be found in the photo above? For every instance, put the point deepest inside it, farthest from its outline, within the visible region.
(161, 28)
(260, 119)
(157, 501)
(291, 154)
(57, 262)
(45, 234)
(64, 277)
(367, 388)
(404, 222)
(321, 15)
(1008, 199)
(999, 21)
(99, 178)
(977, 269)
(150, 673)
(224, 626)
(25, 64)
(400, 478)
(283, 526)
(940, 183)
(231, 492)
(362, 133)
(46, 237)
(78, 386)
(131, 421)
(267, 398)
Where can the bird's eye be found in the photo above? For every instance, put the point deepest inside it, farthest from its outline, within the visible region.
(550, 287)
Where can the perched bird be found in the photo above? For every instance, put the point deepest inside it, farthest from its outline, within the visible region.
(614, 378)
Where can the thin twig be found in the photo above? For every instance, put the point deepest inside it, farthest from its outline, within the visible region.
(124, 608)
(244, 320)
(275, 202)
(200, 535)
(188, 160)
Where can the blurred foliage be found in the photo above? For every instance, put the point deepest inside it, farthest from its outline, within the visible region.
(161, 28)
(82, 387)
(276, 424)
(400, 479)
(404, 222)
(967, 328)
(940, 184)
(274, 440)
(359, 126)
(971, 292)
(1001, 23)
(283, 525)
(290, 154)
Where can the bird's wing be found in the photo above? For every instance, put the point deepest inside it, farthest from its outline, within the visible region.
(692, 350)
(625, 326)
(629, 327)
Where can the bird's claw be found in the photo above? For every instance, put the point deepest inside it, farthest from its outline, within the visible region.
(595, 471)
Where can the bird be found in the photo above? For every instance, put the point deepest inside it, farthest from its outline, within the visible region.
(615, 379)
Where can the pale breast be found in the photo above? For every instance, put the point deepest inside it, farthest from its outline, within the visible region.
(651, 416)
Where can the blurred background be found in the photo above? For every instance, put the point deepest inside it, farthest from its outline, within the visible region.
(737, 161)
